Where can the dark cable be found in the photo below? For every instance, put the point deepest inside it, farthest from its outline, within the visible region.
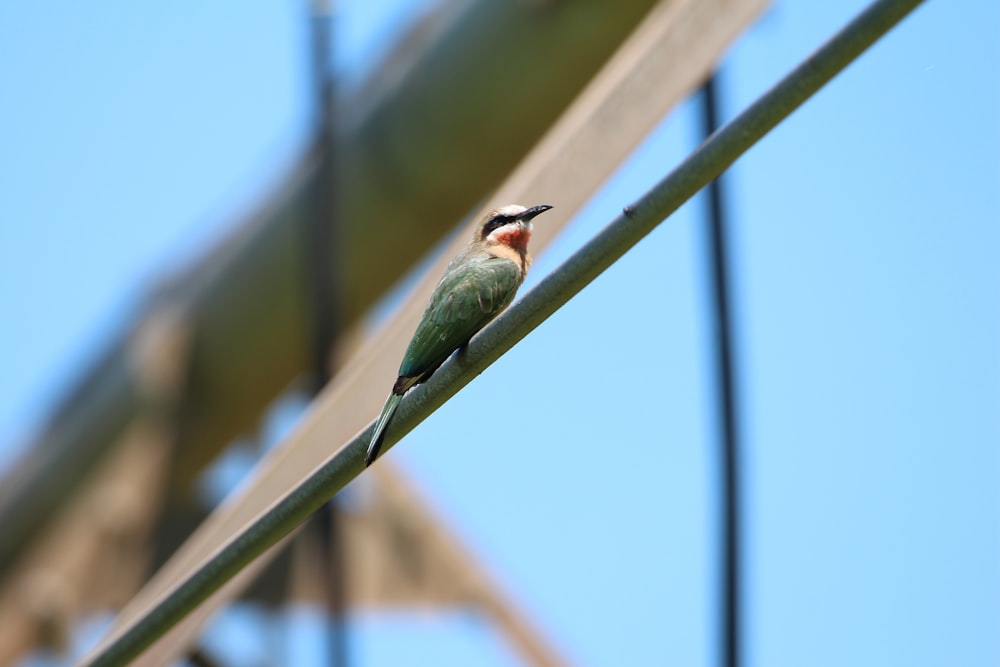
(321, 244)
(725, 369)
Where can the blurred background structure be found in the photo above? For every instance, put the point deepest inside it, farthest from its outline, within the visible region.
(165, 336)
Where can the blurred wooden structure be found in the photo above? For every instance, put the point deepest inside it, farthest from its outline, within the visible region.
(107, 494)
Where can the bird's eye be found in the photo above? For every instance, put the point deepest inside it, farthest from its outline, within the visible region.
(496, 222)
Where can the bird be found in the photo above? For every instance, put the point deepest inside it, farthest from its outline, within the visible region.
(477, 285)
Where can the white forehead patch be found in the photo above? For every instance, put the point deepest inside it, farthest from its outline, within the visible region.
(512, 210)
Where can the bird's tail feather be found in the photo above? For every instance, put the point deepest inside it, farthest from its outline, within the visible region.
(388, 410)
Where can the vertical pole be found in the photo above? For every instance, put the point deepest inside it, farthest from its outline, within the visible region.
(321, 244)
(727, 413)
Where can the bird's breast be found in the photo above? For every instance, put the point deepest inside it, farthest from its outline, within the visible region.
(518, 256)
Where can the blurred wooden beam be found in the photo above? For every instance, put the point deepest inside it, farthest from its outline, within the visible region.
(426, 139)
(410, 559)
(96, 554)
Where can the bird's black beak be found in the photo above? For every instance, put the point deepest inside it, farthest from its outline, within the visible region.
(533, 211)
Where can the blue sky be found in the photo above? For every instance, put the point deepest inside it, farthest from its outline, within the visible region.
(866, 240)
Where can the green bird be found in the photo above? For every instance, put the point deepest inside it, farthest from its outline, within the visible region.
(477, 285)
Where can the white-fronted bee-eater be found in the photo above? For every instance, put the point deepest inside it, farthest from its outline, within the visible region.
(477, 285)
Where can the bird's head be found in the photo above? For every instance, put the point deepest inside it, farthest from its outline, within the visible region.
(509, 225)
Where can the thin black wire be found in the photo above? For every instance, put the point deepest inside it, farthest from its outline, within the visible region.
(730, 622)
(321, 243)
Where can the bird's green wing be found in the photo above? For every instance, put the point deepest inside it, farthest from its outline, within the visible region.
(469, 295)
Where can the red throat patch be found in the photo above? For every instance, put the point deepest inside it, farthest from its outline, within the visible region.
(516, 237)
